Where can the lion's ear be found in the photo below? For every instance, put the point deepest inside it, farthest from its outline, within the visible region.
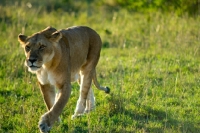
(22, 38)
(48, 31)
(56, 36)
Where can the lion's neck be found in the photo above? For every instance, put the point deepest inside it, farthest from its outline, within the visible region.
(55, 60)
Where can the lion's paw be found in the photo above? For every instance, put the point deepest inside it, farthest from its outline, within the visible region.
(76, 116)
(88, 110)
(80, 107)
(43, 126)
(90, 105)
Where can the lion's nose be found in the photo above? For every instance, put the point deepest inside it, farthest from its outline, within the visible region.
(32, 60)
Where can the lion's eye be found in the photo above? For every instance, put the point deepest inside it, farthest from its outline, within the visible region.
(27, 48)
(42, 47)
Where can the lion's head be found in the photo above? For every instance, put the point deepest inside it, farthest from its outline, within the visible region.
(39, 48)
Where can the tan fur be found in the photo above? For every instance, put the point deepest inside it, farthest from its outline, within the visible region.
(58, 58)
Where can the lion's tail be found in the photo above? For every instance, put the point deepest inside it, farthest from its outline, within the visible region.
(106, 89)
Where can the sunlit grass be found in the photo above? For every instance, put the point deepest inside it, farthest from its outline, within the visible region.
(150, 62)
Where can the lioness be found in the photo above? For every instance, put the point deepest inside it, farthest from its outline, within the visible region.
(59, 57)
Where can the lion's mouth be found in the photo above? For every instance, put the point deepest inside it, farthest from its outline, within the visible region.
(32, 66)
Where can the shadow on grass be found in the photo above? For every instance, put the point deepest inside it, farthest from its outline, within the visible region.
(147, 118)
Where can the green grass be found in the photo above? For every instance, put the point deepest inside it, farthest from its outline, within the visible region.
(150, 62)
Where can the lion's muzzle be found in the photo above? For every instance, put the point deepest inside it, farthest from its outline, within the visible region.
(32, 64)
(32, 60)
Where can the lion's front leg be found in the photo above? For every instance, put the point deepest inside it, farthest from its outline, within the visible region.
(48, 92)
(48, 119)
(49, 95)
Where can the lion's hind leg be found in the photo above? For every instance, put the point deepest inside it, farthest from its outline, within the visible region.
(86, 97)
(90, 101)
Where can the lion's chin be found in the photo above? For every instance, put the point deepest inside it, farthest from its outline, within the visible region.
(33, 69)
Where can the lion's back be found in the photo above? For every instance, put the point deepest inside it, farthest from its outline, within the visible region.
(83, 42)
(82, 34)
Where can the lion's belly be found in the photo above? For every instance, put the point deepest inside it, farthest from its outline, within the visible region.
(74, 77)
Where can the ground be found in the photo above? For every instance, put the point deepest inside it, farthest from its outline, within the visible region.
(149, 61)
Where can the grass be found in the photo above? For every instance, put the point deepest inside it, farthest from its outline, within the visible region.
(150, 62)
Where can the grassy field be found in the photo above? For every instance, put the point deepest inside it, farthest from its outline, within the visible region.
(151, 62)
